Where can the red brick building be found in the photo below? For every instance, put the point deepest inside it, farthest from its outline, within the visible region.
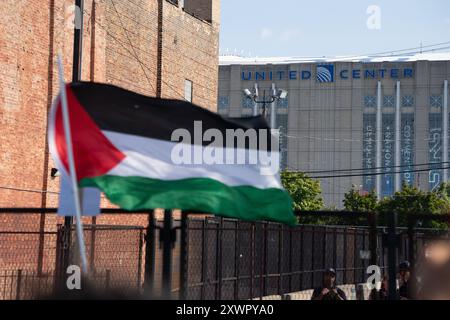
(158, 48)
(165, 48)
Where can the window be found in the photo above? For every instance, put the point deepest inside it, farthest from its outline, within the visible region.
(388, 101)
(436, 101)
(224, 102)
(407, 101)
(175, 2)
(201, 9)
(283, 103)
(247, 102)
(188, 90)
(370, 101)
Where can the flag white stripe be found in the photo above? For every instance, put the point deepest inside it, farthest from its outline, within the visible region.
(151, 158)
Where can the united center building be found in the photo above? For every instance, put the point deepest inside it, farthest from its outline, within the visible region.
(350, 119)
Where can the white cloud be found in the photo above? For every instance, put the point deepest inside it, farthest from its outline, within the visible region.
(265, 33)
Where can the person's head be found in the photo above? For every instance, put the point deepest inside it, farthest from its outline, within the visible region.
(329, 278)
(404, 270)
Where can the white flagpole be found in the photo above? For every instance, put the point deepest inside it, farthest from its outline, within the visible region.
(72, 171)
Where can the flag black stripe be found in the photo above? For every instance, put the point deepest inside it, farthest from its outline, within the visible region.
(119, 110)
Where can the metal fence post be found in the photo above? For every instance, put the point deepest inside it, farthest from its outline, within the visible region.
(263, 279)
(344, 264)
(363, 259)
(280, 260)
(167, 241)
(412, 255)
(59, 260)
(335, 248)
(63, 244)
(355, 254)
(237, 252)
(92, 244)
(324, 248)
(291, 264)
(67, 242)
(19, 282)
(149, 268)
(184, 256)
(313, 230)
(252, 261)
(108, 279)
(139, 271)
(392, 255)
(302, 266)
(262, 262)
(204, 260)
(219, 259)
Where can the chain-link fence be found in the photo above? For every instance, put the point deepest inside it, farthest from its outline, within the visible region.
(231, 259)
(36, 250)
(198, 257)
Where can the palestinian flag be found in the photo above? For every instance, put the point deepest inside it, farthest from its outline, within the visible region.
(124, 145)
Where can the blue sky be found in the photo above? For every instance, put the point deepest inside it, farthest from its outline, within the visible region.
(329, 27)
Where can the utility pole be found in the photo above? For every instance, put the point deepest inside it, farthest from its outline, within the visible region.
(76, 76)
(275, 96)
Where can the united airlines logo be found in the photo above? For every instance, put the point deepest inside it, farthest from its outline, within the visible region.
(325, 73)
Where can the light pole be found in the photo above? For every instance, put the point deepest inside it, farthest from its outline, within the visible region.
(276, 95)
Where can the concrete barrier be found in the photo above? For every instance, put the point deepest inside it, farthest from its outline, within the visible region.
(272, 297)
(362, 291)
(299, 295)
(353, 292)
(349, 290)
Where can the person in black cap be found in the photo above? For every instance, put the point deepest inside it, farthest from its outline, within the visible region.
(404, 280)
(329, 291)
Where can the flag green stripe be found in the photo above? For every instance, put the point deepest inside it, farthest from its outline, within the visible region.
(196, 194)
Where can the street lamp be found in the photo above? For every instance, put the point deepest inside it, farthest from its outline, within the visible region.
(276, 95)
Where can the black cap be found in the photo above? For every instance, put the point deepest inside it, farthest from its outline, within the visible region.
(330, 271)
(404, 266)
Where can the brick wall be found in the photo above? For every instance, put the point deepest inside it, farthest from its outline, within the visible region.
(120, 47)
(188, 47)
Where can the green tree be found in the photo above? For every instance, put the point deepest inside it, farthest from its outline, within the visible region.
(305, 192)
(357, 201)
(444, 191)
(412, 201)
(354, 200)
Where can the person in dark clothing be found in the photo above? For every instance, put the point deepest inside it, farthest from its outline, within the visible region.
(404, 280)
(381, 294)
(329, 291)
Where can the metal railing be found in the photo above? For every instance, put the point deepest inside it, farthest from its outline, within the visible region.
(193, 256)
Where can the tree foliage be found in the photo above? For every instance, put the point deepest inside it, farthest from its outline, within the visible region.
(354, 200)
(410, 201)
(305, 192)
